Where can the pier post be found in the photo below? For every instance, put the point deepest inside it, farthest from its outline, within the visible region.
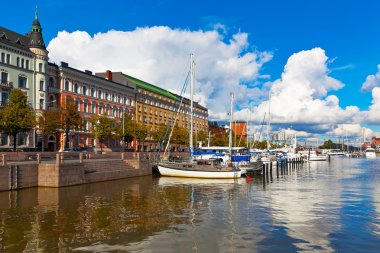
(57, 159)
(122, 156)
(4, 158)
(80, 157)
(38, 158)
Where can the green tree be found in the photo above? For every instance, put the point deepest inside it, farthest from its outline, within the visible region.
(328, 144)
(101, 128)
(70, 119)
(141, 132)
(48, 121)
(17, 116)
(128, 134)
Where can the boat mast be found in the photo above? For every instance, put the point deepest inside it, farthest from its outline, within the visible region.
(268, 124)
(191, 145)
(231, 118)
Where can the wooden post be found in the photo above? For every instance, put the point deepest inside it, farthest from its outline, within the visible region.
(4, 157)
(80, 157)
(122, 156)
(38, 158)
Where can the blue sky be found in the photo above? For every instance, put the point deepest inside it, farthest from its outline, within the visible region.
(346, 30)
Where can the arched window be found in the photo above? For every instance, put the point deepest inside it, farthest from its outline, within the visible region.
(84, 90)
(76, 88)
(108, 109)
(93, 107)
(101, 106)
(126, 111)
(85, 106)
(99, 94)
(114, 111)
(67, 84)
(120, 112)
(92, 92)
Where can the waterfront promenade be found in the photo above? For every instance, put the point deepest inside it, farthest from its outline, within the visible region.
(23, 170)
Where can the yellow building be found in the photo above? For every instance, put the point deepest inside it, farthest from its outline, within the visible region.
(156, 106)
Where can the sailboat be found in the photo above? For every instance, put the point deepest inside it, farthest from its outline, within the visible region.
(210, 168)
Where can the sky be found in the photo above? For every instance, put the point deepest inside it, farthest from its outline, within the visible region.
(318, 59)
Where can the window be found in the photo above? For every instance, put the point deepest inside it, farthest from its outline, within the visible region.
(40, 67)
(85, 106)
(99, 94)
(8, 58)
(2, 57)
(4, 98)
(76, 88)
(27, 64)
(41, 104)
(4, 77)
(3, 139)
(18, 61)
(101, 109)
(108, 110)
(22, 82)
(106, 94)
(114, 111)
(84, 90)
(67, 86)
(77, 104)
(125, 100)
(51, 82)
(21, 139)
(93, 107)
(92, 92)
(41, 85)
(120, 112)
(22, 63)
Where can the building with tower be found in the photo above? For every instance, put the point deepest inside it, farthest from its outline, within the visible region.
(23, 65)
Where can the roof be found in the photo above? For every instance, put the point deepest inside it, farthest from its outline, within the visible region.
(15, 39)
(95, 76)
(150, 87)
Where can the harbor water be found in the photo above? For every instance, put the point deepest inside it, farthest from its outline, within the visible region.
(319, 206)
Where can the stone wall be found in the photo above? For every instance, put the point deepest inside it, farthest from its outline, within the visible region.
(18, 176)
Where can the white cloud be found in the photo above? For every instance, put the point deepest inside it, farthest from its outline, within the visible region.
(349, 130)
(374, 110)
(372, 81)
(300, 96)
(160, 54)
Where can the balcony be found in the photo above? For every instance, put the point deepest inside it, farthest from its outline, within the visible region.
(6, 84)
(53, 90)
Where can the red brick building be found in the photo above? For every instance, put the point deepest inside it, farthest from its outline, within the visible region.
(93, 95)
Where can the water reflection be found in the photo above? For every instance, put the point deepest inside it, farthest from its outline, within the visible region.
(319, 207)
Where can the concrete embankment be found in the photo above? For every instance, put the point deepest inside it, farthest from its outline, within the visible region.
(41, 170)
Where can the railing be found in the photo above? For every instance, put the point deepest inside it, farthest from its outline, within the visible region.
(6, 84)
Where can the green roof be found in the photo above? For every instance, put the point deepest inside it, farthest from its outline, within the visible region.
(150, 87)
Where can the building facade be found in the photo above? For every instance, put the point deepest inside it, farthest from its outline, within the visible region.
(156, 106)
(240, 129)
(93, 95)
(23, 65)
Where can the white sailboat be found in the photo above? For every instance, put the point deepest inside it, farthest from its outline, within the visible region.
(201, 168)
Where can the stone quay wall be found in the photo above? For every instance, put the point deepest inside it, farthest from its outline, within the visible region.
(66, 171)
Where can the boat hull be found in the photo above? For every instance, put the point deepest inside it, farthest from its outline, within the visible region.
(173, 172)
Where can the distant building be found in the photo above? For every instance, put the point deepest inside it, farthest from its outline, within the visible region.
(240, 129)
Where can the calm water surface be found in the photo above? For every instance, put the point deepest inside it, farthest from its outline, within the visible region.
(323, 207)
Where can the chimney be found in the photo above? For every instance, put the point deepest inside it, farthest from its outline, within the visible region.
(109, 75)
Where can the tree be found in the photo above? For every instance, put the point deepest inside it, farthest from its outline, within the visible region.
(328, 144)
(48, 121)
(159, 133)
(17, 117)
(141, 132)
(128, 134)
(101, 128)
(70, 119)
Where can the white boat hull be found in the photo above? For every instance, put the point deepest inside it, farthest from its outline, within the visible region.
(318, 158)
(172, 172)
(370, 155)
